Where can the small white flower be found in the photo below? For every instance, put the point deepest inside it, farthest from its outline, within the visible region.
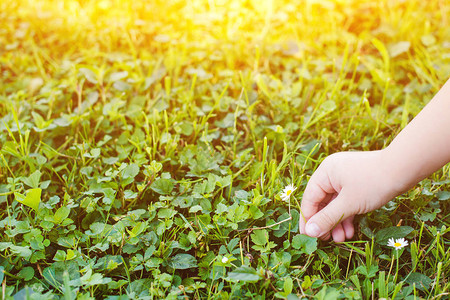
(287, 192)
(398, 243)
(224, 260)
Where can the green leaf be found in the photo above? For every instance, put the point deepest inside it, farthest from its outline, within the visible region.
(24, 294)
(260, 237)
(292, 297)
(186, 128)
(26, 273)
(2, 275)
(304, 243)
(224, 181)
(285, 226)
(166, 213)
(443, 195)
(368, 271)
(32, 198)
(50, 276)
(396, 232)
(91, 279)
(152, 169)
(328, 106)
(421, 281)
(121, 86)
(428, 40)
(162, 186)
(117, 76)
(61, 214)
(327, 293)
(130, 171)
(89, 75)
(94, 153)
(54, 273)
(195, 208)
(97, 227)
(33, 180)
(245, 274)
(23, 251)
(71, 254)
(138, 229)
(288, 285)
(383, 51)
(140, 286)
(183, 261)
(399, 48)
(262, 85)
(60, 255)
(221, 208)
(110, 160)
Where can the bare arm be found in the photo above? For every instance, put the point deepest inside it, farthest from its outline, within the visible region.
(423, 146)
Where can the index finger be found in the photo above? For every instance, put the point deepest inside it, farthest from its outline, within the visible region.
(317, 194)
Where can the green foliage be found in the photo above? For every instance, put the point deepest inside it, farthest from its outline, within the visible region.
(31, 199)
(395, 232)
(304, 243)
(244, 274)
(144, 146)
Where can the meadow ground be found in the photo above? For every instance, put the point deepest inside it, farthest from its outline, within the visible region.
(143, 142)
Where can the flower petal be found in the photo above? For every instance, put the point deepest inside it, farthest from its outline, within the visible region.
(391, 242)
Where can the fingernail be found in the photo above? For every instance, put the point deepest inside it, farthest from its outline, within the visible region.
(312, 229)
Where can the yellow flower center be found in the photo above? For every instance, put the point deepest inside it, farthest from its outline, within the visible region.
(397, 244)
(288, 192)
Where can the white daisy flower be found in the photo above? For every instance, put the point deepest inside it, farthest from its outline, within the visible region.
(224, 260)
(398, 243)
(287, 192)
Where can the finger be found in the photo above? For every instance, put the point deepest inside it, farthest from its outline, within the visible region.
(326, 236)
(327, 218)
(310, 208)
(349, 228)
(316, 194)
(338, 233)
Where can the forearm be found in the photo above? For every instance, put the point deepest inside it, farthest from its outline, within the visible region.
(423, 146)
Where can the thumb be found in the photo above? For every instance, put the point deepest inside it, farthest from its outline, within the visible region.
(328, 217)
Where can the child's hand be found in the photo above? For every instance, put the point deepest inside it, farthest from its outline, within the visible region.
(344, 185)
(350, 183)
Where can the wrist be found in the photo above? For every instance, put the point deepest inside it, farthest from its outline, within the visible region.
(400, 170)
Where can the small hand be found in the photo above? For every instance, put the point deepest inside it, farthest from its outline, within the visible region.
(344, 185)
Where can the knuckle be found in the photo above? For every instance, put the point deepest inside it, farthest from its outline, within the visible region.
(328, 160)
(327, 220)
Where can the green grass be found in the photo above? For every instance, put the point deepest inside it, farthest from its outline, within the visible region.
(141, 143)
